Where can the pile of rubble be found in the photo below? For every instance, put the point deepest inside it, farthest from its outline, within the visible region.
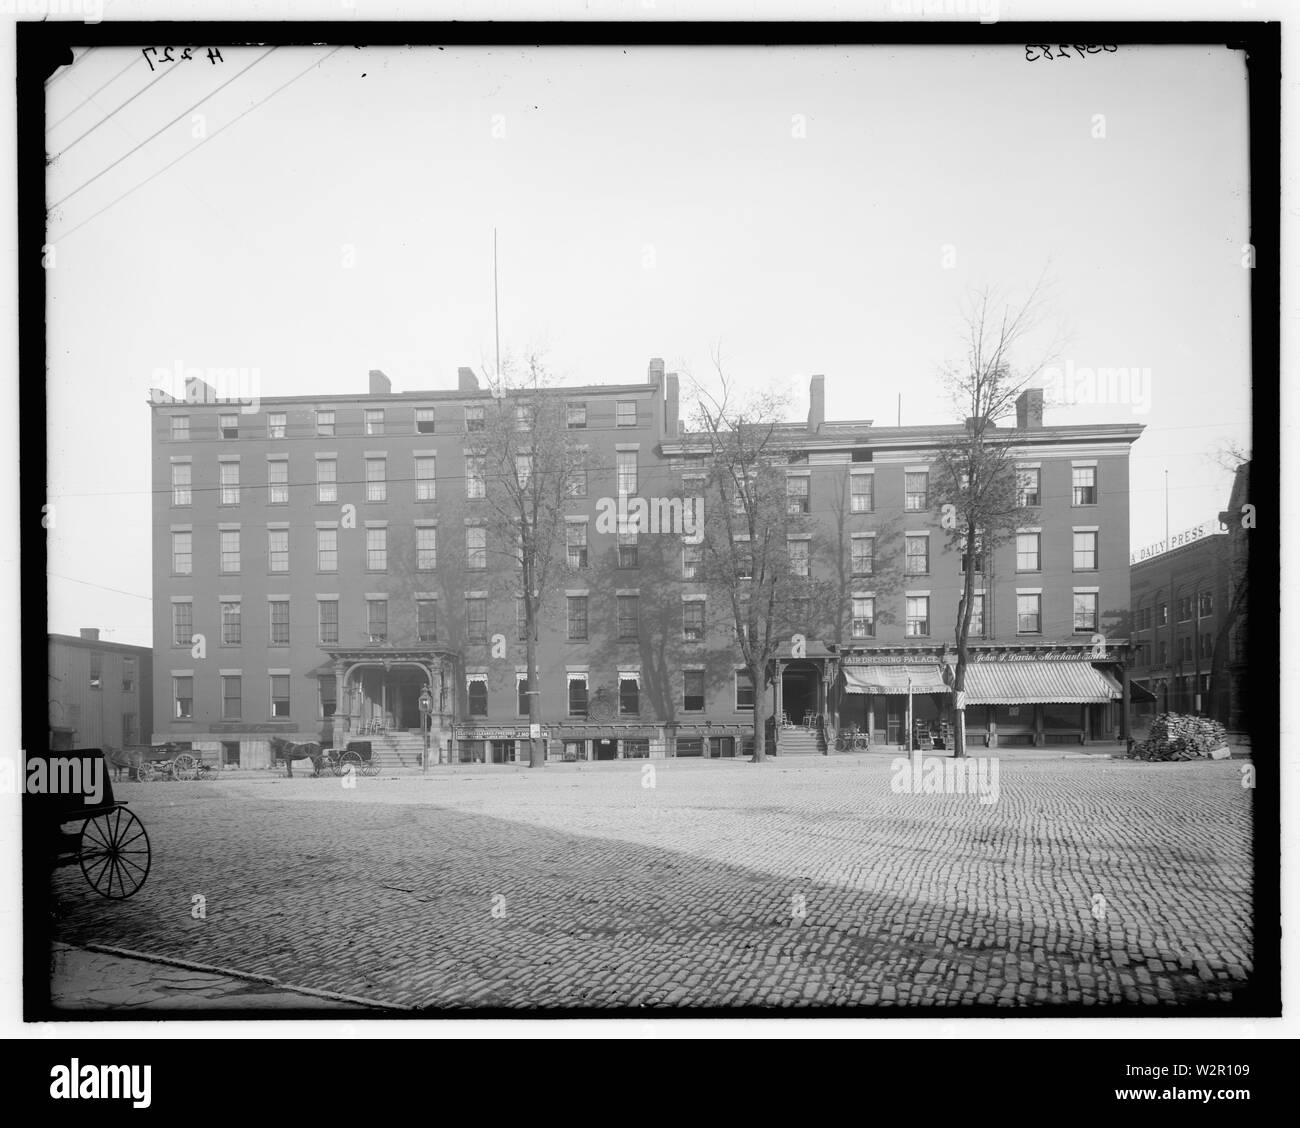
(1174, 736)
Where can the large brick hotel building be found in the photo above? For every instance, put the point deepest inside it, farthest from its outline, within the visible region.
(318, 565)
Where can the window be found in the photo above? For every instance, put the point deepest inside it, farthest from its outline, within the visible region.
(1027, 559)
(864, 617)
(230, 550)
(1085, 485)
(1205, 604)
(129, 733)
(862, 555)
(374, 420)
(279, 622)
(1029, 489)
(1184, 608)
(862, 493)
(740, 496)
(327, 613)
(576, 416)
(277, 549)
(425, 470)
(577, 483)
(692, 561)
(277, 481)
(918, 615)
(476, 618)
(744, 556)
(426, 548)
(180, 428)
(326, 689)
(977, 616)
(182, 554)
(915, 489)
(627, 550)
(523, 417)
(475, 475)
(183, 697)
(181, 479)
(232, 706)
(1162, 615)
(521, 694)
(575, 540)
(475, 547)
(577, 616)
(424, 421)
(276, 424)
(327, 550)
(1085, 611)
(625, 470)
(1163, 651)
(1085, 551)
(966, 556)
(478, 697)
(279, 695)
(625, 413)
(577, 695)
(916, 561)
(693, 620)
(473, 418)
(521, 619)
(426, 620)
(128, 675)
(629, 695)
(97, 668)
(327, 479)
(377, 619)
(229, 483)
(1207, 646)
(1029, 614)
(325, 423)
(797, 493)
(376, 479)
(798, 550)
(744, 691)
(693, 691)
(376, 550)
(231, 620)
(629, 616)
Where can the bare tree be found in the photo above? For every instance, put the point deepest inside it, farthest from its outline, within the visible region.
(976, 478)
(748, 558)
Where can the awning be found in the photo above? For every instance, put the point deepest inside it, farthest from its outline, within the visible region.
(1136, 690)
(1029, 683)
(893, 679)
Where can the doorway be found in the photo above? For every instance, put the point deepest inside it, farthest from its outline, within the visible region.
(606, 750)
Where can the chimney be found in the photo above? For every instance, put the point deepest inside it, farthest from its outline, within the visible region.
(91, 633)
(655, 373)
(1029, 409)
(466, 380)
(670, 406)
(816, 403)
(380, 385)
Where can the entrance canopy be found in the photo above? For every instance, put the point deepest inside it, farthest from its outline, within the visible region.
(894, 679)
(1029, 683)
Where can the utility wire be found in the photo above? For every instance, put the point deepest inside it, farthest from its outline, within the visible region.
(151, 176)
(123, 105)
(130, 63)
(161, 129)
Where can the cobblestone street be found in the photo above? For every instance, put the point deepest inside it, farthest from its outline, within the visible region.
(811, 882)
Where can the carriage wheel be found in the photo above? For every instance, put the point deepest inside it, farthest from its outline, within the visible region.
(114, 854)
(348, 760)
(371, 766)
(186, 766)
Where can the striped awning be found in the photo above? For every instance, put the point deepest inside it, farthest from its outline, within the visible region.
(1029, 683)
(894, 679)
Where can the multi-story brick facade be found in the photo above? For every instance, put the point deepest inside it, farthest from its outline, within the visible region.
(320, 564)
(101, 693)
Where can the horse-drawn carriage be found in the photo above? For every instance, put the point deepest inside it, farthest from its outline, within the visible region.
(151, 762)
(360, 758)
(109, 842)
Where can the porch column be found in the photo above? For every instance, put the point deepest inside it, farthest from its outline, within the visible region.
(780, 692)
(340, 705)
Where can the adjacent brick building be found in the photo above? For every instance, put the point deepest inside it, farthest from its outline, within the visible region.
(100, 693)
(319, 566)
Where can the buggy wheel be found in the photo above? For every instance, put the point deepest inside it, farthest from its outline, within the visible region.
(348, 760)
(114, 854)
(186, 766)
(371, 766)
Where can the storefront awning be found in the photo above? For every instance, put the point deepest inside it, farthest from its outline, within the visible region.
(1136, 690)
(894, 679)
(1029, 683)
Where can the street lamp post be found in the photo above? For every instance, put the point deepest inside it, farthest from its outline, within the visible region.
(426, 711)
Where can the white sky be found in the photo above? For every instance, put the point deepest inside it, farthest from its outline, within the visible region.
(820, 254)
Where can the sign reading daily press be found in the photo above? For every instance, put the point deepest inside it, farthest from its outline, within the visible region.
(1187, 536)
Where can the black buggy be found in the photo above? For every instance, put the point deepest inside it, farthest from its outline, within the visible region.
(106, 840)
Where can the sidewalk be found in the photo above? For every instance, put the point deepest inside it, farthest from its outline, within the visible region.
(102, 979)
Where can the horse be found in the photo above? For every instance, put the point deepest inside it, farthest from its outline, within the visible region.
(289, 751)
